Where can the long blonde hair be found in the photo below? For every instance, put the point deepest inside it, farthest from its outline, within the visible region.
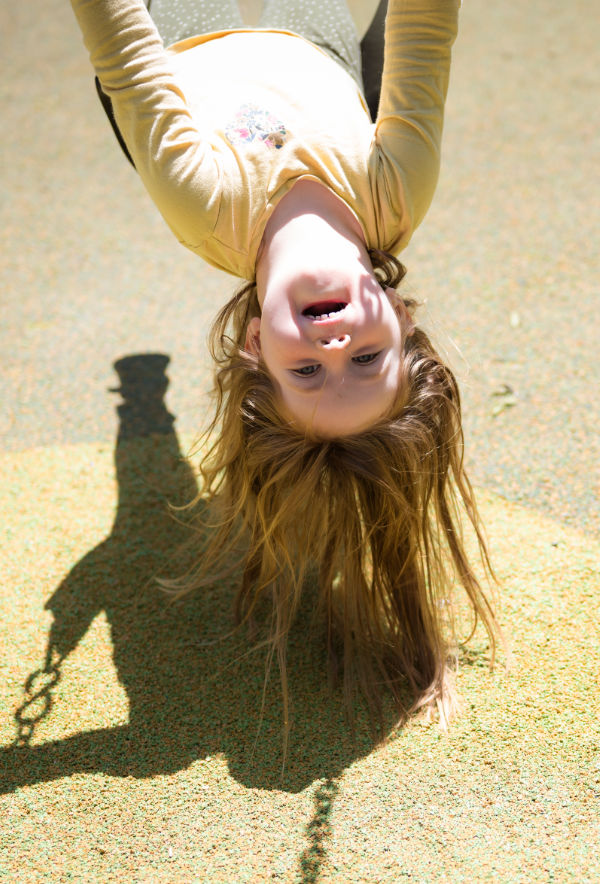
(378, 514)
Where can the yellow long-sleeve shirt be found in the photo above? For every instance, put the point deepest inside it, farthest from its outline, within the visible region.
(221, 126)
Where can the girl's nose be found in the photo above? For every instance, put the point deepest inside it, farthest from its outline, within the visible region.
(335, 342)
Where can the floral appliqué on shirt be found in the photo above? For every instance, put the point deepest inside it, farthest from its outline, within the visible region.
(252, 123)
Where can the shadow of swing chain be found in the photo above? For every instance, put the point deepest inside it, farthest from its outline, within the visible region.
(38, 700)
(318, 831)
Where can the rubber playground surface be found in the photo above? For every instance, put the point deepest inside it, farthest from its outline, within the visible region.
(146, 753)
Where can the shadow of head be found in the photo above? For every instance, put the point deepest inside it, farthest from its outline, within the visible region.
(196, 685)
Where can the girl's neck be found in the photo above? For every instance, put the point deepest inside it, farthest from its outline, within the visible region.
(309, 221)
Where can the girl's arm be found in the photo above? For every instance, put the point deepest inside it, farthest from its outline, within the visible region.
(177, 167)
(418, 39)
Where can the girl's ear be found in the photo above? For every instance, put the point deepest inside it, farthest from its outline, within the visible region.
(252, 344)
(406, 321)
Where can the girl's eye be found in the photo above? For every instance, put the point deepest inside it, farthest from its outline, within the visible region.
(306, 370)
(365, 358)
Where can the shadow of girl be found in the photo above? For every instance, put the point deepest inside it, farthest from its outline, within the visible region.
(194, 684)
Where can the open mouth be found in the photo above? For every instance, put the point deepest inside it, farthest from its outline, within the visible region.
(324, 309)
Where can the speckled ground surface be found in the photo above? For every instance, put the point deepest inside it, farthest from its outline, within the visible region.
(145, 763)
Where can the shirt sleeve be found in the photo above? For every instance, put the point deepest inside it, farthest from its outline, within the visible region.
(408, 131)
(179, 169)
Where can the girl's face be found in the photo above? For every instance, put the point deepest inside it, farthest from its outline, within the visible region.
(332, 344)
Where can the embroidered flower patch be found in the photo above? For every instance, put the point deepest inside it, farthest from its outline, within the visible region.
(252, 123)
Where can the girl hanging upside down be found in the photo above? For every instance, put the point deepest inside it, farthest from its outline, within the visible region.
(337, 439)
